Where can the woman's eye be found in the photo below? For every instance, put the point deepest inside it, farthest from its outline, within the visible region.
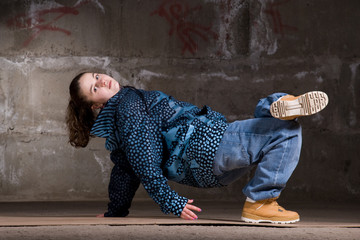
(95, 88)
(97, 77)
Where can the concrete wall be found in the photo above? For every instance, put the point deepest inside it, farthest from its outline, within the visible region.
(223, 53)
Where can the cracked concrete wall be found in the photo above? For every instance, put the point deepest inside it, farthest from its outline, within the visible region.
(223, 53)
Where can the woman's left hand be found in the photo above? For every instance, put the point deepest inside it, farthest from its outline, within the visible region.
(100, 215)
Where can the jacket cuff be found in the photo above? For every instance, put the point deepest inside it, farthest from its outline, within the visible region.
(175, 206)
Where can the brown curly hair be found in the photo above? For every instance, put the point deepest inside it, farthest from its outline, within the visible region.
(79, 115)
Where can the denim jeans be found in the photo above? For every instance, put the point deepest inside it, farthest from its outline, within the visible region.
(271, 144)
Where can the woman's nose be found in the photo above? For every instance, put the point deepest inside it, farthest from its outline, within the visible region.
(101, 83)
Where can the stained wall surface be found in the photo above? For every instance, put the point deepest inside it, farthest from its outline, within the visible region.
(223, 53)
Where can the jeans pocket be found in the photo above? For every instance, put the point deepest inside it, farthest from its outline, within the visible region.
(235, 157)
(230, 156)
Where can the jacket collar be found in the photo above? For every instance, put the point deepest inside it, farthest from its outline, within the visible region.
(104, 123)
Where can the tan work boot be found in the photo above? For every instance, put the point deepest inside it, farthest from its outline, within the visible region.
(267, 210)
(290, 107)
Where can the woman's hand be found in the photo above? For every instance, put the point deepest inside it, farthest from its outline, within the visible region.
(100, 215)
(187, 213)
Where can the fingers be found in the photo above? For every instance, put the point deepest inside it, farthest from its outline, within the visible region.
(100, 215)
(194, 208)
(188, 213)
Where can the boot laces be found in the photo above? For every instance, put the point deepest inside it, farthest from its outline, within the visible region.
(273, 202)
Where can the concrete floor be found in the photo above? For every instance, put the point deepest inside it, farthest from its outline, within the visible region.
(218, 220)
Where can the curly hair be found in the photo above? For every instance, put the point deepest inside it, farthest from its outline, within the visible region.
(79, 115)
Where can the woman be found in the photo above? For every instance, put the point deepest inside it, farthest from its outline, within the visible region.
(154, 138)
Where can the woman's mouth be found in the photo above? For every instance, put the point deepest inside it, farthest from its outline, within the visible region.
(109, 84)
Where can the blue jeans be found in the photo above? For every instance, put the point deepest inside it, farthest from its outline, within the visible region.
(271, 144)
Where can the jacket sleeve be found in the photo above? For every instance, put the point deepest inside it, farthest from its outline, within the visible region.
(144, 148)
(122, 187)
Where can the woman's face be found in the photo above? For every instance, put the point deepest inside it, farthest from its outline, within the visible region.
(98, 88)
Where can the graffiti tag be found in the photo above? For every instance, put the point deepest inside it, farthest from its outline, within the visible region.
(176, 13)
(35, 20)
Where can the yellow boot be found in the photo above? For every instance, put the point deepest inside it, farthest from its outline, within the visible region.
(290, 107)
(267, 210)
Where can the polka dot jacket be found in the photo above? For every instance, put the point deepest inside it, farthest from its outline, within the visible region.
(154, 138)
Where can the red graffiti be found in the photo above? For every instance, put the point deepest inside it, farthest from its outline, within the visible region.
(36, 20)
(278, 26)
(176, 13)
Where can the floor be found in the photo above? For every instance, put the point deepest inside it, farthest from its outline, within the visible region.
(218, 220)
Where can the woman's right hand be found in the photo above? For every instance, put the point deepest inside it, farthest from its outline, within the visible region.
(187, 213)
(100, 215)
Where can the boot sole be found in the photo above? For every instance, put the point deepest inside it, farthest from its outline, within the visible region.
(304, 105)
(248, 220)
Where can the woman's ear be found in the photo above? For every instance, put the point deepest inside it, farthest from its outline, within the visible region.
(96, 106)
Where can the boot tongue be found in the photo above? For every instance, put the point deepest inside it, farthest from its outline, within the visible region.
(273, 201)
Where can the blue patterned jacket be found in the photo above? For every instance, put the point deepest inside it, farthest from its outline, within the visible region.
(154, 138)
